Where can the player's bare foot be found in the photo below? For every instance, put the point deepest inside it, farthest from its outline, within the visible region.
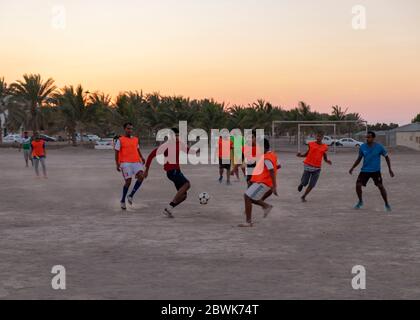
(246, 225)
(267, 211)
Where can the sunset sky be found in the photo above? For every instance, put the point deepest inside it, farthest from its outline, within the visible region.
(235, 51)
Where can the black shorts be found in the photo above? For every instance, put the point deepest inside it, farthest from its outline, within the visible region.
(177, 177)
(364, 178)
(223, 164)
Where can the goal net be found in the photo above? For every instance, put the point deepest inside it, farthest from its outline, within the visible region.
(293, 136)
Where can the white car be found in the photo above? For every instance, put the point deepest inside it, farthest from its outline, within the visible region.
(104, 144)
(348, 143)
(88, 138)
(12, 138)
(327, 140)
(92, 137)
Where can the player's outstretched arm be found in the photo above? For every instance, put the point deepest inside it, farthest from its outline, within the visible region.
(359, 159)
(273, 178)
(304, 155)
(327, 160)
(141, 155)
(150, 158)
(388, 161)
(117, 161)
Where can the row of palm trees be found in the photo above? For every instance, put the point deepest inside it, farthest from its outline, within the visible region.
(36, 104)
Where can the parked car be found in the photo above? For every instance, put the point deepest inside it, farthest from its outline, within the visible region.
(12, 138)
(87, 138)
(327, 140)
(104, 144)
(348, 143)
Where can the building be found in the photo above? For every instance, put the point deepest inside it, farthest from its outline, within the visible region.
(408, 136)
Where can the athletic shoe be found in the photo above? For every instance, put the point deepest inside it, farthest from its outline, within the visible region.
(168, 213)
(267, 211)
(300, 188)
(130, 200)
(123, 206)
(388, 208)
(303, 199)
(359, 205)
(229, 183)
(220, 179)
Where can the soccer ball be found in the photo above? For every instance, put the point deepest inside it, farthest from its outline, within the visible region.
(204, 198)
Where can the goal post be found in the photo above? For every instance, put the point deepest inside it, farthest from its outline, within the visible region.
(303, 139)
(290, 136)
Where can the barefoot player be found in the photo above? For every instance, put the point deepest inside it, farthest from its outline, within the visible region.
(173, 171)
(264, 184)
(312, 165)
(371, 153)
(129, 161)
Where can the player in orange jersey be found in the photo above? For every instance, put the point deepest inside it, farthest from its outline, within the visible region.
(130, 162)
(39, 154)
(317, 152)
(263, 184)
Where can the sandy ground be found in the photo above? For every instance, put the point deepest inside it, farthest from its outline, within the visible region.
(302, 251)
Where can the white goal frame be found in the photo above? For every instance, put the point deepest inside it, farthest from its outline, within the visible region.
(299, 124)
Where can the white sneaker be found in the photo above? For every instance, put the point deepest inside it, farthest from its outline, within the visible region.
(123, 206)
(130, 200)
(168, 213)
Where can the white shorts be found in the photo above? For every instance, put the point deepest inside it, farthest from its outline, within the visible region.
(130, 170)
(257, 191)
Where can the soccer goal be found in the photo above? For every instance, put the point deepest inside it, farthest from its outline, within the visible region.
(294, 136)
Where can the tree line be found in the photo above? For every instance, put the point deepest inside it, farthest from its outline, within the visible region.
(35, 104)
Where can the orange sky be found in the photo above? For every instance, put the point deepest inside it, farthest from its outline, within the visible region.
(232, 50)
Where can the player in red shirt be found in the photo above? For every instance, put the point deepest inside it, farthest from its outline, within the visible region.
(173, 172)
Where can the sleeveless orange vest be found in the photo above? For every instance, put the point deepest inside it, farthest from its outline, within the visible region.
(38, 148)
(129, 150)
(265, 176)
(316, 154)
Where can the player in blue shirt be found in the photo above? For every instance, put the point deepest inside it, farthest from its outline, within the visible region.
(371, 153)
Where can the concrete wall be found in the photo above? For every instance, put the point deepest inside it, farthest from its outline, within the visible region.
(409, 139)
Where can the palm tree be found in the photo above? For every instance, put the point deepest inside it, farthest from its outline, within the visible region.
(100, 114)
(304, 111)
(36, 94)
(212, 115)
(72, 103)
(338, 113)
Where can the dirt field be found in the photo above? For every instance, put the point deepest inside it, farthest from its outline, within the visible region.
(302, 251)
